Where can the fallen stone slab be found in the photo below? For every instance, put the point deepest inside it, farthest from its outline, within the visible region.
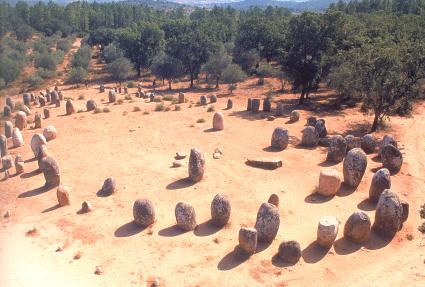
(264, 163)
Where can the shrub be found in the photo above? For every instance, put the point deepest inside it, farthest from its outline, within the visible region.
(97, 110)
(137, 109)
(106, 110)
(157, 99)
(82, 58)
(177, 108)
(120, 69)
(131, 85)
(64, 45)
(120, 101)
(77, 75)
(2, 83)
(146, 113)
(159, 107)
(211, 109)
(81, 97)
(45, 60)
(128, 97)
(422, 212)
(45, 74)
(111, 53)
(200, 121)
(9, 69)
(421, 228)
(168, 98)
(167, 109)
(34, 81)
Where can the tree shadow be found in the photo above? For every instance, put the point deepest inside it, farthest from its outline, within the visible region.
(345, 190)
(248, 115)
(206, 229)
(180, 184)
(129, 229)
(171, 231)
(366, 205)
(232, 259)
(315, 198)
(357, 129)
(30, 174)
(278, 262)
(54, 207)
(34, 192)
(314, 252)
(344, 246)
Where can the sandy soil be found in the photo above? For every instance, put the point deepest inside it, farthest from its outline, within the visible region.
(138, 150)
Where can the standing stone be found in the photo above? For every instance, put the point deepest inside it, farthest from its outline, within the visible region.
(101, 89)
(321, 128)
(218, 121)
(17, 138)
(294, 116)
(255, 105)
(48, 98)
(357, 227)
(329, 182)
(185, 216)
(196, 165)
(50, 168)
(229, 104)
(109, 186)
(352, 142)
(7, 162)
(181, 98)
(267, 223)
(42, 101)
(19, 164)
(220, 210)
(8, 129)
(60, 94)
(125, 90)
(32, 97)
(248, 240)
(46, 113)
(58, 103)
(389, 214)
(280, 138)
(86, 207)
(91, 105)
(274, 199)
(327, 230)
(69, 106)
(213, 99)
(290, 251)
(369, 144)
(63, 195)
(203, 100)
(354, 167)
(112, 96)
(26, 110)
(381, 181)
(280, 109)
(311, 121)
(37, 140)
(10, 103)
(54, 97)
(392, 159)
(37, 121)
(3, 145)
(20, 120)
(267, 105)
(56, 88)
(42, 153)
(7, 111)
(249, 105)
(26, 99)
(337, 149)
(119, 90)
(143, 212)
(405, 213)
(310, 138)
(386, 140)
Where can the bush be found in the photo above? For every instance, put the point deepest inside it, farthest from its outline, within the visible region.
(82, 58)
(120, 69)
(422, 212)
(9, 69)
(211, 109)
(106, 110)
(169, 98)
(177, 108)
(97, 110)
(120, 101)
(34, 81)
(167, 109)
(159, 107)
(64, 45)
(2, 83)
(200, 121)
(146, 113)
(131, 85)
(77, 75)
(157, 99)
(137, 109)
(45, 74)
(45, 60)
(112, 53)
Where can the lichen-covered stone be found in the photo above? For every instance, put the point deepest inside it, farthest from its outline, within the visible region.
(26, 99)
(50, 133)
(196, 165)
(19, 164)
(3, 145)
(10, 103)
(185, 216)
(321, 128)
(70, 108)
(327, 230)
(354, 167)
(329, 182)
(294, 116)
(255, 105)
(353, 142)
(309, 138)
(337, 149)
(386, 140)
(203, 100)
(274, 199)
(311, 121)
(26, 110)
(50, 168)
(112, 97)
(7, 111)
(20, 120)
(37, 140)
(369, 144)
(280, 109)
(381, 181)
(392, 159)
(267, 223)
(86, 207)
(213, 99)
(220, 210)
(8, 129)
(267, 105)
(7, 162)
(248, 240)
(280, 138)
(290, 251)
(249, 105)
(357, 227)
(388, 214)
(37, 121)
(109, 186)
(143, 212)
(46, 113)
(218, 121)
(17, 138)
(91, 105)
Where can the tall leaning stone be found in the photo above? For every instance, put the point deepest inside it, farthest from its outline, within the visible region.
(389, 214)
(17, 138)
(10, 103)
(267, 223)
(37, 140)
(229, 104)
(218, 121)
(280, 138)
(8, 129)
(196, 165)
(354, 167)
(381, 181)
(20, 120)
(50, 168)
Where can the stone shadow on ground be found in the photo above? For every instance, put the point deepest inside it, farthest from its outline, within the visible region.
(366, 205)
(263, 245)
(30, 174)
(129, 229)
(313, 253)
(54, 207)
(343, 246)
(35, 191)
(345, 190)
(315, 198)
(180, 183)
(171, 231)
(278, 262)
(206, 229)
(232, 259)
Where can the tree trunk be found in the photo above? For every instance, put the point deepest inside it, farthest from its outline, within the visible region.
(169, 84)
(375, 122)
(217, 83)
(301, 101)
(191, 79)
(139, 71)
